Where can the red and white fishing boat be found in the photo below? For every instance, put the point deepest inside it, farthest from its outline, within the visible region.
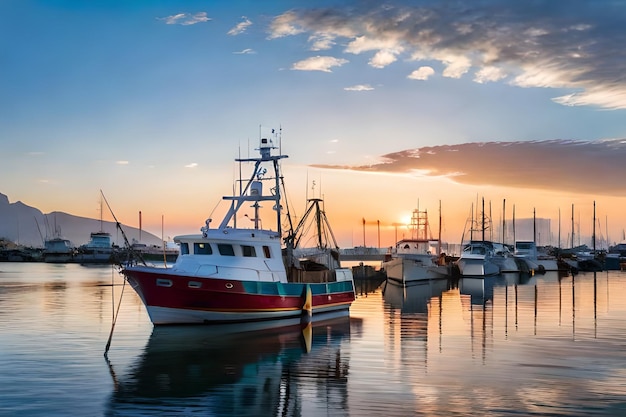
(232, 274)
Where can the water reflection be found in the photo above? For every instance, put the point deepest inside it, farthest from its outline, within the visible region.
(414, 298)
(528, 345)
(220, 370)
(508, 345)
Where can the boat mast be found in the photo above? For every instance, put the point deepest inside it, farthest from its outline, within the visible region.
(503, 220)
(514, 238)
(101, 227)
(535, 226)
(322, 227)
(572, 226)
(439, 237)
(559, 227)
(472, 222)
(594, 229)
(483, 218)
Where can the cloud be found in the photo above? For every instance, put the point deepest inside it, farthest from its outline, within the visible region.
(359, 87)
(318, 63)
(285, 25)
(240, 27)
(576, 46)
(422, 73)
(191, 165)
(487, 74)
(321, 41)
(246, 51)
(549, 165)
(185, 19)
(122, 162)
(383, 58)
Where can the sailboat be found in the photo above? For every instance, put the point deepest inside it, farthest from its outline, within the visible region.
(484, 257)
(234, 274)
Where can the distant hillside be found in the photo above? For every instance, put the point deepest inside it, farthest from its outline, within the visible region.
(28, 226)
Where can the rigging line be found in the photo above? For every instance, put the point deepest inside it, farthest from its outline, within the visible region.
(284, 195)
(119, 226)
(117, 313)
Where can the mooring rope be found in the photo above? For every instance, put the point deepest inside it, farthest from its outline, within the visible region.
(115, 315)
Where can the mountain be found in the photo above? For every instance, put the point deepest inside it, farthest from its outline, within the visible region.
(28, 226)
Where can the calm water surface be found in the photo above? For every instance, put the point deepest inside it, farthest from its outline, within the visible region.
(543, 345)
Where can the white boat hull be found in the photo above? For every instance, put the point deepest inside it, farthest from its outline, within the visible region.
(407, 270)
(476, 266)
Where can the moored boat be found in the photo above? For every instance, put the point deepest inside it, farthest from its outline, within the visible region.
(99, 249)
(483, 257)
(527, 252)
(416, 258)
(231, 274)
(477, 259)
(58, 250)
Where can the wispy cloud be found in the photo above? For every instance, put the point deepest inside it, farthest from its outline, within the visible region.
(185, 19)
(321, 41)
(191, 165)
(246, 51)
(319, 63)
(551, 165)
(576, 46)
(359, 87)
(122, 162)
(240, 27)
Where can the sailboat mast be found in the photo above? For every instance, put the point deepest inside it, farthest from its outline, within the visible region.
(572, 226)
(594, 228)
(439, 237)
(514, 224)
(483, 218)
(535, 226)
(503, 220)
(559, 227)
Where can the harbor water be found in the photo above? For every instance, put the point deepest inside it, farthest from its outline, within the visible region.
(544, 345)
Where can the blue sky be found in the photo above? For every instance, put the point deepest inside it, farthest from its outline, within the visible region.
(151, 101)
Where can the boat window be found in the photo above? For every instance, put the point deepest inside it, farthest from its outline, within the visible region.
(266, 252)
(202, 248)
(184, 248)
(479, 250)
(225, 249)
(248, 251)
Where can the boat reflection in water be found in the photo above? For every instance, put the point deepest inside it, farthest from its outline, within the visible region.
(220, 370)
(481, 290)
(414, 297)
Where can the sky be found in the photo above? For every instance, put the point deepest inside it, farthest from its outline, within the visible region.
(382, 108)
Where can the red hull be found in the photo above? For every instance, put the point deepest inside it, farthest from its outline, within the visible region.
(173, 298)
